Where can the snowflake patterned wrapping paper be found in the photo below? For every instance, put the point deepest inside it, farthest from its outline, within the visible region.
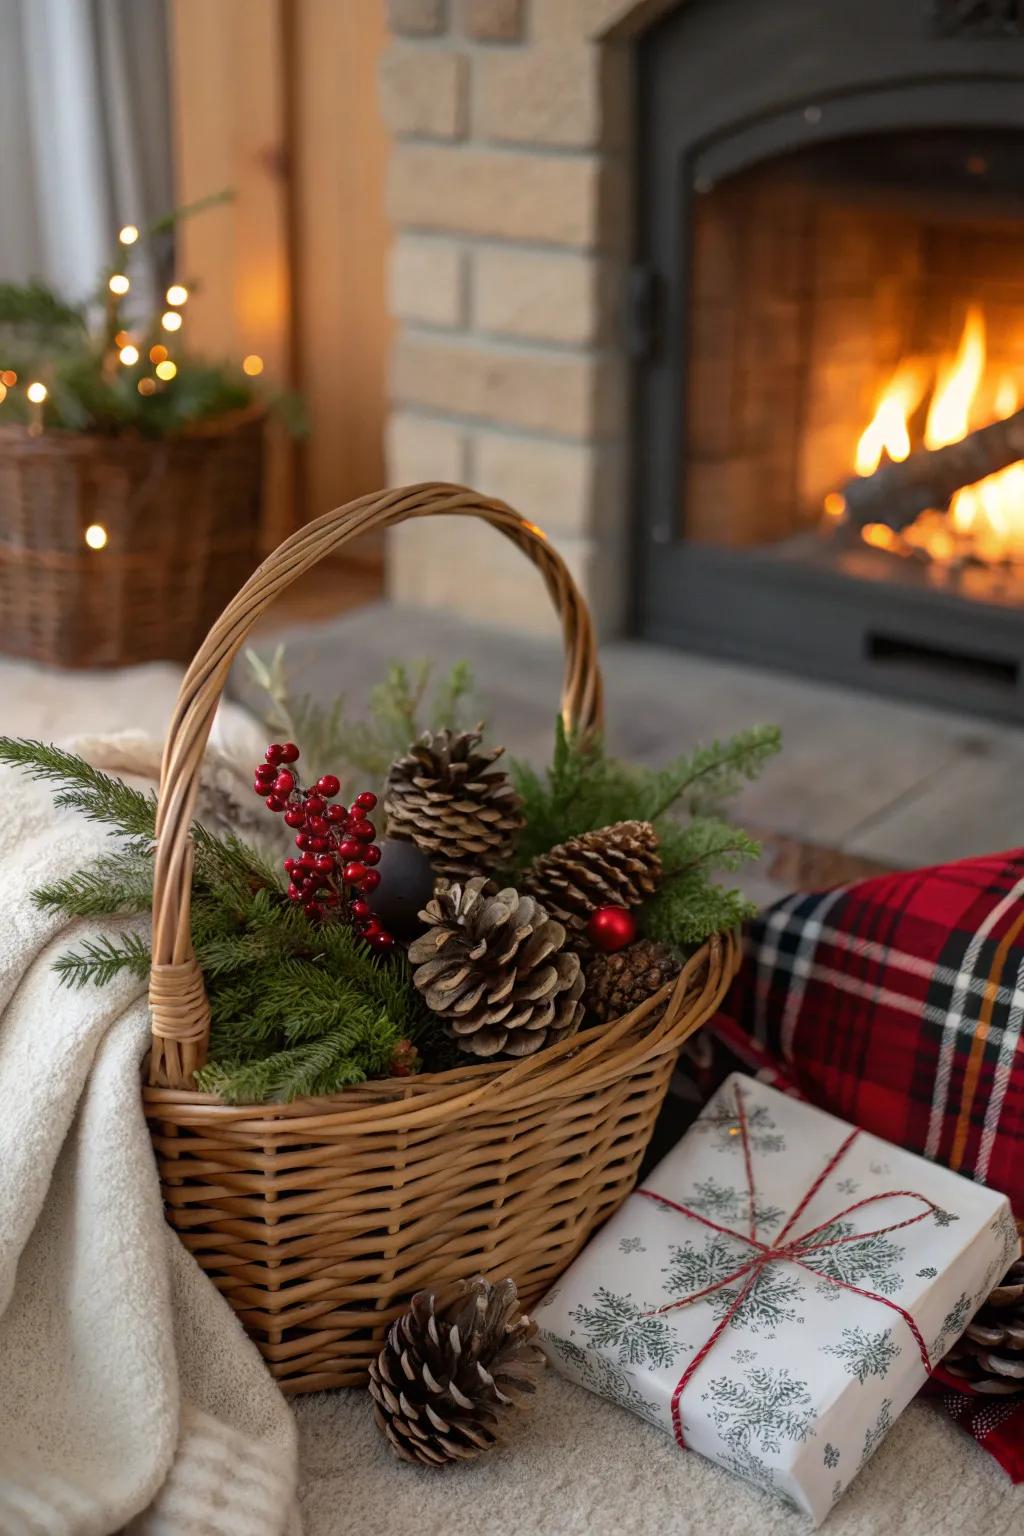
(772, 1294)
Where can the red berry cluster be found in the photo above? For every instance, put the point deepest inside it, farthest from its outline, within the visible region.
(337, 847)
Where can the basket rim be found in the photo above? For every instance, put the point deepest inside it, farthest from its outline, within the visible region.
(622, 1045)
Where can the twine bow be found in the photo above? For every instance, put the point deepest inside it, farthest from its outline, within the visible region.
(785, 1249)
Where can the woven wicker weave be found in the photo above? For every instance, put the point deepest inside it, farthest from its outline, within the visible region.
(318, 1219)
(182, 520)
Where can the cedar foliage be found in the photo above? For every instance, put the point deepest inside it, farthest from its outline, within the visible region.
(585, 788)
(296, 1008)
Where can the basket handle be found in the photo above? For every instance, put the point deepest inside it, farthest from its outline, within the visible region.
(179, 1008)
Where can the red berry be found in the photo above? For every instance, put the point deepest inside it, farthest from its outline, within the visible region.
(308, 861)
(364, 832)
(274, 753)
(356, 811)
(329, 785)
(294, 893)
(360, 909)
(349, 848)
(313, 909)
(289, 865)
(318, 825)
(265, 775)
(275, 803)
(302, 839)
(324, 863)
(371, 855)
(335, 813)
(370, 880)
(295, 816)
(366, 801)
(285, 782)
(355, 872)
(316, 805)
(289, 752)
(319, 844)
(259, 789)
(382, 942)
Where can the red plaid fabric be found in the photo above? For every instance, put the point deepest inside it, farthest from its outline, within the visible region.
(898, 1004)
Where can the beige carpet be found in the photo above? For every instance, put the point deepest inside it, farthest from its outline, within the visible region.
(575, 1465)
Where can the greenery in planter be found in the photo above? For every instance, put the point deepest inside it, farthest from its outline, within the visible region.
(93, 367)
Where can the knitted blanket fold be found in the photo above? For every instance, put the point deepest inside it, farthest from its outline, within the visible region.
(130, 1397)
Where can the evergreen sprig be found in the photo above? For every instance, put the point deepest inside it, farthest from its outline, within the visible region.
(295, 1008)
(585, 789)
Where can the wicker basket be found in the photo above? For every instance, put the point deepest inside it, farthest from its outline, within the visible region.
(182, 520)
(318, 1219)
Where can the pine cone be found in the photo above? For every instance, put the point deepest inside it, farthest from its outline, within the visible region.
(990, 1354)
(446, 796)
(452, 1371)
(616, 866)
(493, 966)
(616, 984)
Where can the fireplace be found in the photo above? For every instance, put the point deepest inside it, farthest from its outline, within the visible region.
(831, 286)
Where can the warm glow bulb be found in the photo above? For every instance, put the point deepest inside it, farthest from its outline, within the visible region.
(128, 235)
(157, 353)
(171, 321)
(177, 293)
(36, 393)
(3, 391)
(252, 365)
(96, 536)
(166, 369)
(119, 283)
(129, 355)
(147, 386)
(9, 377)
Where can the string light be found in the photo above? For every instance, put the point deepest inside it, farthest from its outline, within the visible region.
(157, 353)
(37, 393)
(128, 235)
(166, 369)
(177, 294)
(119, 284)
(9, 377)
(129, 355)
(252, 365)
(122, 338)
(171, 321)
(96, 536)
(147, 386)
(3, 391)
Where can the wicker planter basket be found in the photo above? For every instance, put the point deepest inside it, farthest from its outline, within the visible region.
(318, 1219)
(181, 517)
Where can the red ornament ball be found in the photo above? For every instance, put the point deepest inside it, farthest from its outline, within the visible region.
(611, 928)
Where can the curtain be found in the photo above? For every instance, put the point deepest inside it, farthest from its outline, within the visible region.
(85, 141)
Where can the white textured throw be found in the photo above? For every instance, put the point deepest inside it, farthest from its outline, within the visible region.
(130, 1398)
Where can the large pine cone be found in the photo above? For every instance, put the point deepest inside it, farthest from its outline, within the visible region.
(446, 796)
(493, 966)
(452, 1370)
(990, 1354)
(618, 983)
(616, 866)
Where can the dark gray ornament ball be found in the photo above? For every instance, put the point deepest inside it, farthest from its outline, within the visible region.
(406, 885)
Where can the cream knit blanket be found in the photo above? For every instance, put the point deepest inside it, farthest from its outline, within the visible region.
(130, 1397)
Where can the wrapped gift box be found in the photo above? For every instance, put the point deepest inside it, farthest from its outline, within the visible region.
(775, 1293)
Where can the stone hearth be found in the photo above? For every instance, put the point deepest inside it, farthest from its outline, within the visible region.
(509, 197)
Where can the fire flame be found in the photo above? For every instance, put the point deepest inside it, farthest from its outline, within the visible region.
(985, 521)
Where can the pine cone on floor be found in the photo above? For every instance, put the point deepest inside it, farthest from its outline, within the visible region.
(493, 965)
(446, 796)
(618, 983)
(989, 1356)
(616, 866)
(452, 1371)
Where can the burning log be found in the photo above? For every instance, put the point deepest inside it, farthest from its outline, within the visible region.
(897, 493)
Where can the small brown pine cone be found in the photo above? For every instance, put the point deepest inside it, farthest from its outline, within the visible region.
(453, 1370)
(618, 983)
(447, 797)
(493, 966)
(989, 1355)
(616, 866)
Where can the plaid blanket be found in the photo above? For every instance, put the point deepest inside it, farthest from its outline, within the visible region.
(898, 1004)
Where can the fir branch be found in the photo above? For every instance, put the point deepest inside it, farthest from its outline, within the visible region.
(117, 883)
(97, 795)
(100, 960)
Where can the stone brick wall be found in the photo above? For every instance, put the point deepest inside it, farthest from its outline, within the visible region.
(510, 204)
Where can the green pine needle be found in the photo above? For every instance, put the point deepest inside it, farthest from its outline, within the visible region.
(100, 960)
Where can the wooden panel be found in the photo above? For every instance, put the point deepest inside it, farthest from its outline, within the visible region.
(341, 239)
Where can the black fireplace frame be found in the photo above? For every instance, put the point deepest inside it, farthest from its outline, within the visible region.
(723, 85)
